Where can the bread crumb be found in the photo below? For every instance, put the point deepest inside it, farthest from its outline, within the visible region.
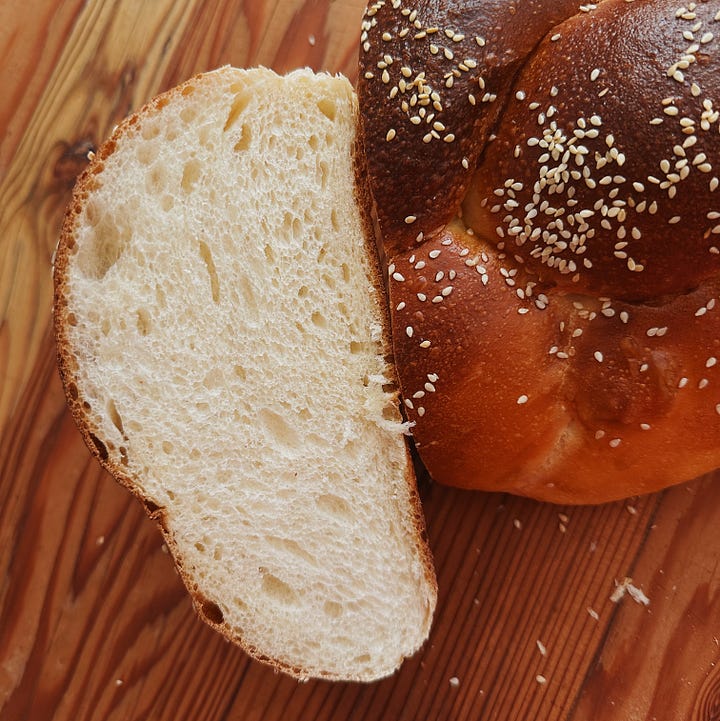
(454, 681)
(626, 586)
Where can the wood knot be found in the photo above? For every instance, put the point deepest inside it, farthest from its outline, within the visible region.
(72, 161)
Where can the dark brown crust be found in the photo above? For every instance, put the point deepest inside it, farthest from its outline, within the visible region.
(111, 459)
(412, 173)
(634, 406)
(377, 264)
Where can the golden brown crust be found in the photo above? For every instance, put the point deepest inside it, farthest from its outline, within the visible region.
(564, 345)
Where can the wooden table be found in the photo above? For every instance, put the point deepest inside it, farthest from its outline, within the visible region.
(94, 621)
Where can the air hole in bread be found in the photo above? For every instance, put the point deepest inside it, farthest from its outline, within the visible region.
(205, 138)
(72, 390)
(99, 447)
(147, 152)
(144, 321)
(278, 590)
(327, 108)
(188, 90)
(70, 319)
(240, 604)
(215, 378)
(314, 142)
(356, 347)
(156, 179)
(114, 416)
(334, 220)
(278, 428)
(293, 547)
(324, 174)
(150, 130)
(390, 413)
(103, 249)
(303, 291)
(240, 372)
(190, 176)
(151, 507)
(243, 142)
(249, 304)
(160, 296)
(188, 114)
(206, 255)
(236, 109)
(269, 254)
(319, 319)
(212, 611)
(167, 447)
(334, 506)
(333, 609)
(167, 203)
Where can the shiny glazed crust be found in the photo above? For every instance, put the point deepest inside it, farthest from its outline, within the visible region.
(553, 245)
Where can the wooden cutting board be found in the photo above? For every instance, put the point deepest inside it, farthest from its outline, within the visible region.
(94, 621)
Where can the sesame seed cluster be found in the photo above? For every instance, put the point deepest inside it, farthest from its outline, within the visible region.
(560, 310)
(430, 96)
(596, 188)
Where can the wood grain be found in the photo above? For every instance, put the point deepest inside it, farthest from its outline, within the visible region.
(95, 624)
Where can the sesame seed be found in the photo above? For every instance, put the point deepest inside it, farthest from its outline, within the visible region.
(399, 277)
(598, 356)
(710, 362)
(615, 442)
(390, 134)
(522, 400)
(410, 219)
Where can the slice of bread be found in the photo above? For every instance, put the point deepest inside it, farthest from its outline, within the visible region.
(222, 340)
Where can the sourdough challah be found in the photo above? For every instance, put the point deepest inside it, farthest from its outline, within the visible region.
(545, 178)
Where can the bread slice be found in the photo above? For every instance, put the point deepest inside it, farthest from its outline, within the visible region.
(222, 340)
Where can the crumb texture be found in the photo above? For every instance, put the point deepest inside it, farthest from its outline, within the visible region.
(220, 314)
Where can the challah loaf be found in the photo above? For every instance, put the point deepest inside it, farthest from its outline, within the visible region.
(221, 336)
(545, 178)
